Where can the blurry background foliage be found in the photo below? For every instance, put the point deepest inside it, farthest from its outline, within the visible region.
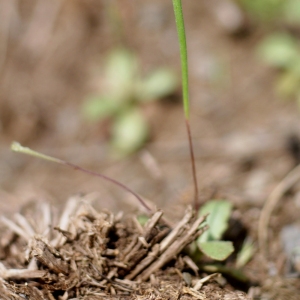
(269, 11)
(280, 48)
(123, 94)
(282, 51)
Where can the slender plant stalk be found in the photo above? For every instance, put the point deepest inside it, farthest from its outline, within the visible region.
(183, 55)
(17, 147)
(185, 88)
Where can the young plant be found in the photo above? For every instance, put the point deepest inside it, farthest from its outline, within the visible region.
(185, 88)
(219, 211)
(210, 242)
(126, 92)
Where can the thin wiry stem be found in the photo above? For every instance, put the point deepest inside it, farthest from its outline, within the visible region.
(196, 192)
(185, 88)
(17, 147)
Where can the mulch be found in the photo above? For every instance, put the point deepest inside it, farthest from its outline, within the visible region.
(81, 253)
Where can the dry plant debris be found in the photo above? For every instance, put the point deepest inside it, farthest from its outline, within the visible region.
(98, 255)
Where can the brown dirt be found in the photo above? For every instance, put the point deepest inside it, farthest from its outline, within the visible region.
(241, 129)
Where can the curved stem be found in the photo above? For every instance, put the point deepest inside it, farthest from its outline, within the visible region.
(17, 147)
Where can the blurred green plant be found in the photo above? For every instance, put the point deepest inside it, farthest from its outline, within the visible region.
(126, 91)
(263, 10)
(282, 51)
(270, 11)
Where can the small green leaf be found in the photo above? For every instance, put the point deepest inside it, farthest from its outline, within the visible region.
(97, 108)
(219, 212)
(279, 50)
(129, 131)
(157, 84)
(218, 250)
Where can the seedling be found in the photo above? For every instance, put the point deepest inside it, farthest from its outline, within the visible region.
(219, 210)
(126, 92)
(210, 242)
(185, 88)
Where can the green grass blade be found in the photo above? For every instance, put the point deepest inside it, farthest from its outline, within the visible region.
(185, 88)
(183, 55)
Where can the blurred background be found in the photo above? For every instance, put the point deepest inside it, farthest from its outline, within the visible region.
(97, 83)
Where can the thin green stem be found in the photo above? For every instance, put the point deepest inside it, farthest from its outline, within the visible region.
(185, 88)
(183, 55)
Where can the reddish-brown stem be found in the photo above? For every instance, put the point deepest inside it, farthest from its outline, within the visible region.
(119, 184)
(15, 146)
(196, 193)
